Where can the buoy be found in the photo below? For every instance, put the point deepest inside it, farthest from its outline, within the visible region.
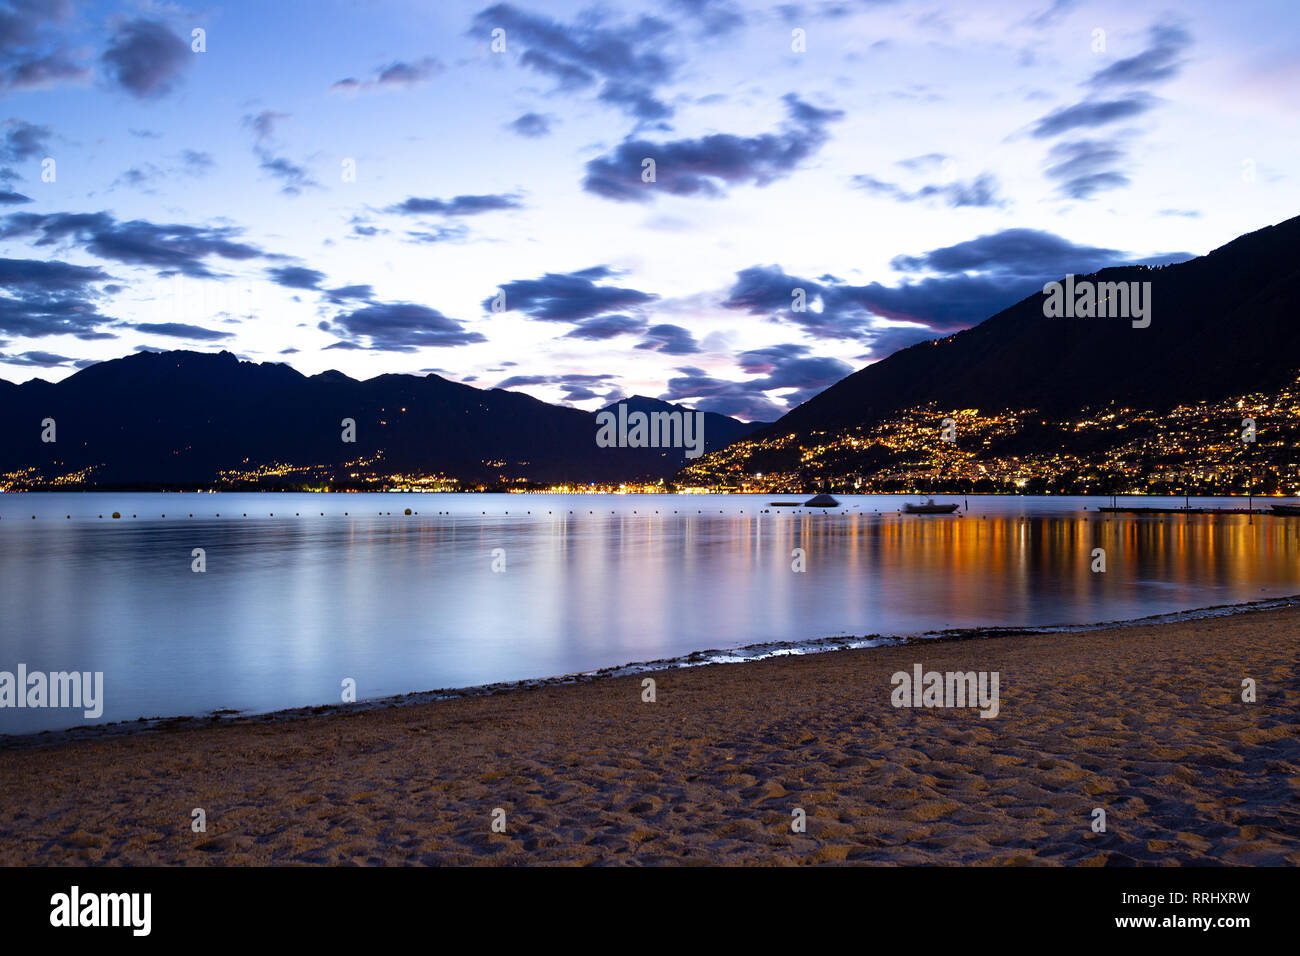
(408, 511)
(117, 514)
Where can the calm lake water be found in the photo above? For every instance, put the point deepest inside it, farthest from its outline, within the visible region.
(293, 601)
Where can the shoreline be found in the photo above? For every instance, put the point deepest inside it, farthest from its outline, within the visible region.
(711, 657)
(1147, 723)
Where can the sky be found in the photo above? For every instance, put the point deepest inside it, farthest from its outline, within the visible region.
(404, 186)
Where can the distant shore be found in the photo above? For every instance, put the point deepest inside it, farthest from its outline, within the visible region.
(1145, 722)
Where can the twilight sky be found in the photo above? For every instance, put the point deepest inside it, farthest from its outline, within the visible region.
(355, 185)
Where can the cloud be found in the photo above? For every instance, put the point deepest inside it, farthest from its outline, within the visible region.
(170, 248)
(179, 330)
(625, 58)
(23, 140)
(576, 386)
(606, 327)
(437, 234)
(568, 297)
(195, 162)
(709, 394)
(10, 198)
(705, 167)
(1086, 167)
(456, 206)
(968, 282)
(32, 54)
(980, 191)
(790, 366)
(145, 58)
(399, 74)
(349, 293)
(263, 124)
(1162, 60)
(399, 327)
(296, 277)
(1014, 252)
(1092, 113)
(923, 162)
(295, 177)
(1052, 14)
(36, 359)
(531, 125)
(715, 18)
(48, 297)
(670, 340)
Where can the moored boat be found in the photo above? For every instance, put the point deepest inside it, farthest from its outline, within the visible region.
(929, 508)
(821, 501)
(1290, 511)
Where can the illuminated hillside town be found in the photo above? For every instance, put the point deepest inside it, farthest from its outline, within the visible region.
(1239, 446)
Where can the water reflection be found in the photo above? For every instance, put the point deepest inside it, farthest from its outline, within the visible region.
(291, 605)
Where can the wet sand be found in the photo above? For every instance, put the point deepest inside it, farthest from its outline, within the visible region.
(1145, 722)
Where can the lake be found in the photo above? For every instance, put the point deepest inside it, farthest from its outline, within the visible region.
(301, 591)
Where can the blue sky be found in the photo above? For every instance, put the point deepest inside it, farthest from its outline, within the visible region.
(355, 185)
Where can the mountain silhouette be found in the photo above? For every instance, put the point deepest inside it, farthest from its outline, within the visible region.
(1222, 324)
(161, 419)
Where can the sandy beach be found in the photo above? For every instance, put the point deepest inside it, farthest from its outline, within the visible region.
(1145, 722)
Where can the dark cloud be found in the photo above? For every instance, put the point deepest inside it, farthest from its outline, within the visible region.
(168, 247)
(969, 282)
(179, 330)
(606, 327)
(638, 101)
(47, 275)
(350, 293)
(399, 73)
(568, 297)
(777, 367)
(669, 339)
(10, 198)
(399, 327)
(1161, 60)
(406, 74)
(980, 191)
(1084, 168)
(295, 177)
(48, 297)
(1092, 113)
(457, 205)
(626, 58)
(145, 58)
(36, 359)
(23, 140)
(577, 387)
(705, 167)
(32, 53)
(790, 366)
(709, 394)
(296, 277)
(438, 234)
(532, 125)
(1013, 252)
